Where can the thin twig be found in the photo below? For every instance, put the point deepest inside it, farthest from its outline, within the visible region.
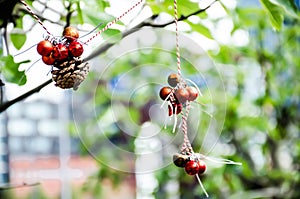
(35, 16)
(5, 43)
(141, 25)
(101, 50)
(41, 17)
(69, 15)
(108, 45)
(14, 186)
(47, 7)
(182, 18)
(1, 91)
(7, 104)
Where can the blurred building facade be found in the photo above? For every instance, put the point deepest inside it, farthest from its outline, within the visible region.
(36, 148)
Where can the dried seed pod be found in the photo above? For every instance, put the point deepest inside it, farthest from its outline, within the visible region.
(182, 95)
(193, 93)
(165, 92)
(72, 73)
(71, 33)
(173, 79)
(180, 160)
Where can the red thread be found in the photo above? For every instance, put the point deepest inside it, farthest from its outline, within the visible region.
(35, 16)
(114, 21)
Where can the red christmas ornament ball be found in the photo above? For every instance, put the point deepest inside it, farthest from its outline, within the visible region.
(49, 60)
(60, 52)
(192, 167)
(44, 47)
(75, 48)
(202, 167)
(164, 92)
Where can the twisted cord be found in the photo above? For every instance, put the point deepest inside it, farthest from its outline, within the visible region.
(35, 16)
(177, 38)
(113, 22)
(186, 146)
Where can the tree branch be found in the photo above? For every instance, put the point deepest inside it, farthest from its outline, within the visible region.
(7, 104)
(69, 15)
(103, 49)
(182, 18)
(145, 24)
(41, 17)
(1, 91)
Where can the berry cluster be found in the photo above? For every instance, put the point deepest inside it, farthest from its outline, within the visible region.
(64, 54)
(55, 51)
(191, 163)
(177, 94)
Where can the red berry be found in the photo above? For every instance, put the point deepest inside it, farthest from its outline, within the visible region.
(170, 110)
(179, 108)
(193, 93)
(49, 60)
(173, 79)
(60, 52)
(182, 95)
(192, 167)
(202, 167)
(44, 47)
(164, 92)
(75, 48)
(175, 106)
(71, 33)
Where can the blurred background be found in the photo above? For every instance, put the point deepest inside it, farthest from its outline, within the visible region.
(112, 139)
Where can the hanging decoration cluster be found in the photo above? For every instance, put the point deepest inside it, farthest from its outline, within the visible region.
(69, 70)
(63, 53)
(179, 95)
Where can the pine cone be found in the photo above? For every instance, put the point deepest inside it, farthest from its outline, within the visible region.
(70, 73)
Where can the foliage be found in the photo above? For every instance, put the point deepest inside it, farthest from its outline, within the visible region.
(10, 70)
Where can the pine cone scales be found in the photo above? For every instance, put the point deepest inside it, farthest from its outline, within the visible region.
(70, 74)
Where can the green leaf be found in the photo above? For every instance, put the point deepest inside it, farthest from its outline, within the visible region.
(184, 7)
(101, 18)
(18, 40)
(275, 13)
(158, 7)
(201, 29)
(289, 6)
(102, 5)
(10, 70)
(79, 12)
(112, 35)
